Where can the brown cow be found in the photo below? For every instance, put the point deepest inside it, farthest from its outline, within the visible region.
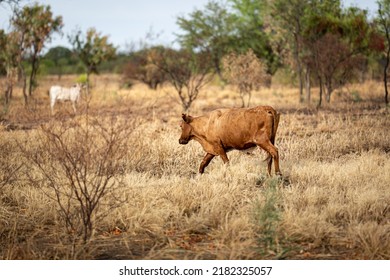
(223, 130)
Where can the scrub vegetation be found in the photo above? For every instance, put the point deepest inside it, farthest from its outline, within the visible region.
(112, 181)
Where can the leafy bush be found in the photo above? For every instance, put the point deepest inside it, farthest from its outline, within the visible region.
(82, 79)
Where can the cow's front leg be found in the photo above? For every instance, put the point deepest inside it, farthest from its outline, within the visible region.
(206, 160)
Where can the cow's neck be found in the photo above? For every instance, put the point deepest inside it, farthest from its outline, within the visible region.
(199, 128)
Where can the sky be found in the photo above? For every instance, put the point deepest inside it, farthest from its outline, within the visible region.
(128, 21)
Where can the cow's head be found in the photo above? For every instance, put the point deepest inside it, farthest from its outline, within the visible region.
(186, 129)
(80, 86)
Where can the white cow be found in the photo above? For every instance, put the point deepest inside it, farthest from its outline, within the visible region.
(58, 93)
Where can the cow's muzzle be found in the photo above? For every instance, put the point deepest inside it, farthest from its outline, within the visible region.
(183, 141)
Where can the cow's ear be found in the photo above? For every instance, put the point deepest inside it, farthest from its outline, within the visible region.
(187, 118)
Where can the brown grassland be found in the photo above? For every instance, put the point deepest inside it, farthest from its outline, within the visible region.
(333, 201)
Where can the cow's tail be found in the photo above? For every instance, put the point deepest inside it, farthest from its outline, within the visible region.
(275, 123)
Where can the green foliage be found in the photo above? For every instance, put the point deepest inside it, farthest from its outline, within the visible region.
(58, 58)
(210, 30)
(35, 24)
(336, 43)
(92, 49)
(250, 32)
(267, 214)
(114, 65)
(141, 67)
(11, 59)
(82, 79)
(356, 96)
(220, 29)
(284, 34)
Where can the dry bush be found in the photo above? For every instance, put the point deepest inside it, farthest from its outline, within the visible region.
(8, 168)
(79, 164)
(187, 72)
(246, 72)
(141, 68)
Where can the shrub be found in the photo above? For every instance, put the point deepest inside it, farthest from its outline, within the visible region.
(82, 79)
(246, 72)
(188, 72)
(79, 165)
(268, 216)
(141, 68)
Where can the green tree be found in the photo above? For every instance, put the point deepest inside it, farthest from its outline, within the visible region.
(286, 20)
(321, 16)
(384, 27)
(209, 30)
(60, 56)
(11, 59)
(141, 67)
(92, 49)
(250, 32)
(336, 44)
(36, 25)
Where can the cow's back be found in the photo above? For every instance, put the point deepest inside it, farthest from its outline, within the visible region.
(54, 90)
(237, 127)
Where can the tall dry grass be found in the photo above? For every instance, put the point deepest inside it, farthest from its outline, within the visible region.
(332, 203)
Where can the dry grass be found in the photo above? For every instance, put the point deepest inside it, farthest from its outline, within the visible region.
(333, 202)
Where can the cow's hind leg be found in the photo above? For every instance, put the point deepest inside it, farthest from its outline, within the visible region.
(222, 153)
(274, 155)
(206, 160)
(52, 107)
(269, 163)
(74, 107)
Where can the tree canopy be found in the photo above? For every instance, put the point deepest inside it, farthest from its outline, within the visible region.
(92, 48)
(319, 42)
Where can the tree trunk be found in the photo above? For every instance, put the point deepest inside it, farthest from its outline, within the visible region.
(249, 98)
(30, 84)
(8, 94)
(218, 70)
(328, 92)
(33, 74)
(300, 83)
(385, 75)
(384, 22)
(24, 78)
(88, 73)
(298, 61)
(9, 85)
(308, 86)
(320, 100)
